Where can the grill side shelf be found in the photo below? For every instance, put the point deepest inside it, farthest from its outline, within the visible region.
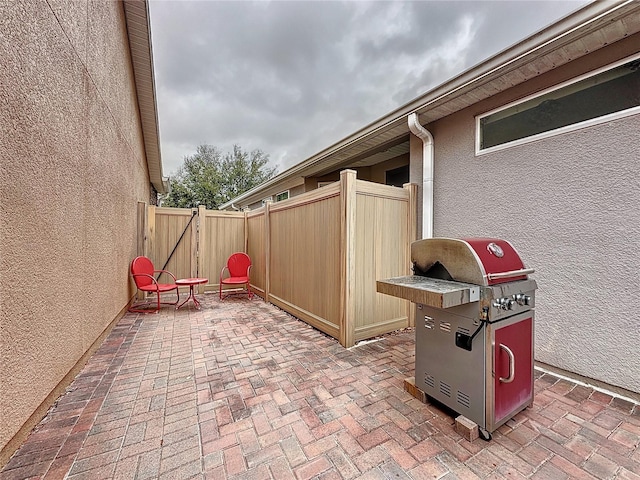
(428, 291)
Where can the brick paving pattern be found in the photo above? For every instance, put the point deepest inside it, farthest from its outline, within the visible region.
(240, 390)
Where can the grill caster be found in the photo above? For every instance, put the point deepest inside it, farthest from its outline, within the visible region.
(484, 434)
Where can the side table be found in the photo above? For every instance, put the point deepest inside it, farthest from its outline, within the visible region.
(191, 282)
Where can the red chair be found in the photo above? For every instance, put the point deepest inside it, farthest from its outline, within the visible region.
(143, 272)
(239, 267)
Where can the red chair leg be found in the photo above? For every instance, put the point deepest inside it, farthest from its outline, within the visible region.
(235, 290)
(177, 299)
(134, 308)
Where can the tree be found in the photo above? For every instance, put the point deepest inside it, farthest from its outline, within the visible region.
(211, 179)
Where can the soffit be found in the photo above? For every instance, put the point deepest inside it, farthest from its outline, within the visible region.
(584, 31)
(139, 33)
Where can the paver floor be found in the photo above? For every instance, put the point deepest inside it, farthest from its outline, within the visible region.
(241, 390)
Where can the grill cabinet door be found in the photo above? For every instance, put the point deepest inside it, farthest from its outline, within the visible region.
(513, 368)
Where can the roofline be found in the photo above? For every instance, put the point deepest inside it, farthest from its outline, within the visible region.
(493, 66)
(136, 14)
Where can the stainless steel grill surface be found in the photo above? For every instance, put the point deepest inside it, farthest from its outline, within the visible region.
(474, 326)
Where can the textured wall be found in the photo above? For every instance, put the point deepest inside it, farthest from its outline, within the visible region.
(569, 204)
(72, 172)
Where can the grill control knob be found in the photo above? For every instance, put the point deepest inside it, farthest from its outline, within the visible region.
(504, 303)
(522, 299)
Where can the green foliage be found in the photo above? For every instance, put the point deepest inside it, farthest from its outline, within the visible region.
(210, 178)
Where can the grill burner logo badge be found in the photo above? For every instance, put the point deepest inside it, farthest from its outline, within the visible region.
(495, 250)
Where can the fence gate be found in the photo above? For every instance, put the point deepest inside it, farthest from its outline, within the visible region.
(194, 242)
(172, 240)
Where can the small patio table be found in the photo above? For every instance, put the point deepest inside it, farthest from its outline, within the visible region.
(191, 282)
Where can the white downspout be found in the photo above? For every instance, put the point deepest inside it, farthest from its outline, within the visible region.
(427, 173)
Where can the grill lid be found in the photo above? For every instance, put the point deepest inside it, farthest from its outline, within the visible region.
(480, 261)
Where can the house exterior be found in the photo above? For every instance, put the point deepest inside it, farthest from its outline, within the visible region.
(537, 145)
(80, 159)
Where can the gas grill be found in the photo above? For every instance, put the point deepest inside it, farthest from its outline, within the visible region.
(474, 326)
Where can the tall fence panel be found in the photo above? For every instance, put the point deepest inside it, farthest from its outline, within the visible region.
(382, 237)
(172, 236)
(257, 250)
(304, 257)
(220, 234)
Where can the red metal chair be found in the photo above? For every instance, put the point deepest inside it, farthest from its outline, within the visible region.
(142, 271)
(239, 267)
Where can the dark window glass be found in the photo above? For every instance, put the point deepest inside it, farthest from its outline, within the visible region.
(398, 176)
(608, 92)
(282, 196)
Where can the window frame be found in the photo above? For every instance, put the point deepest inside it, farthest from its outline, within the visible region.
(276, 199)
(557, 131)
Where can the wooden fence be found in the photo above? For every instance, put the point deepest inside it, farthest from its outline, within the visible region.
(165, 226)
(221, 234)
(316, 255)
(305, 257)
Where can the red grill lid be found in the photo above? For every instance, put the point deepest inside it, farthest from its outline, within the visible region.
(497, 256)
(483, 261)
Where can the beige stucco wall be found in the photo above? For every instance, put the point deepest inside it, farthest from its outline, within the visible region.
(569, 204)
(73, 169)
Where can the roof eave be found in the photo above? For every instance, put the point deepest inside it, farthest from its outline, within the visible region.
(139, 34)
(574, 25)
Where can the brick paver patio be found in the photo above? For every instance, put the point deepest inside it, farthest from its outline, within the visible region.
(241, 390)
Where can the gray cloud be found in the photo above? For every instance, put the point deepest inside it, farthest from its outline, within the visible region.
(291, 78)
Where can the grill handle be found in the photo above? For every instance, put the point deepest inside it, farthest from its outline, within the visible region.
(512, 273)
(512, 365)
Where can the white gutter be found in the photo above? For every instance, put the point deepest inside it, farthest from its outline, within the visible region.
(427, 173)
(500, 64)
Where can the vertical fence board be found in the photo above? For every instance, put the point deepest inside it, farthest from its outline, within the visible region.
(141, 218)
(412, 235)
(256, 250)
(142, 236)
(151, 232)
(267, 250)
(348, 224)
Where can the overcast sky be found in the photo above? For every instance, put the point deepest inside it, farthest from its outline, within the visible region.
(291, 78)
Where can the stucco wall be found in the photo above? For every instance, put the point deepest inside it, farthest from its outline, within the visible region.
(72, 172)
(569, 204)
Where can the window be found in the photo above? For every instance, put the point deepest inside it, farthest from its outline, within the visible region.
(282, 196)
(323, 184)
(599, 96)
(398, 176)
